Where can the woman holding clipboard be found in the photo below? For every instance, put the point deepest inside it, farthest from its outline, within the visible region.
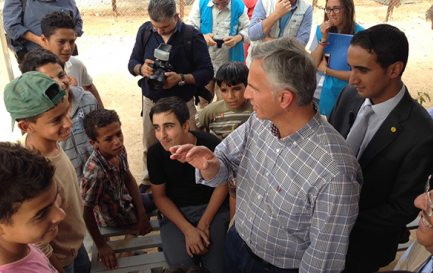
(329, 52)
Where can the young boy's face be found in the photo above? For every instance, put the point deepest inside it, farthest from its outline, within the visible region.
(233, 95)
(36, 220)
(56, 72)
(168, 129)
(109, 140)
(53, 125)
(61, 43)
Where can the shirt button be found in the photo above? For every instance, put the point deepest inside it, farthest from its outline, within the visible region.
(267, 174)
(278, 150)
(259, 196)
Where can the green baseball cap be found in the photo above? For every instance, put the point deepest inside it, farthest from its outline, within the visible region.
(31, 94)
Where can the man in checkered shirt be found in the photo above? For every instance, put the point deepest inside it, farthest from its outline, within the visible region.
(298, 182)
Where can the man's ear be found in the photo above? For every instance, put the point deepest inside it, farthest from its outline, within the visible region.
(286, 98)
(395, 69)
(25, 126)
(185, 126)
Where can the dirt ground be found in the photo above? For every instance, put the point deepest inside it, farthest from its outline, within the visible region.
(107, 43)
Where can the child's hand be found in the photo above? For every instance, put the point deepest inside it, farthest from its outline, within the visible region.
(204, 227)
(108, 257)
(143, 225)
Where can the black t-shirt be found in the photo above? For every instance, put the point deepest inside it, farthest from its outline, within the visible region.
(179, 178)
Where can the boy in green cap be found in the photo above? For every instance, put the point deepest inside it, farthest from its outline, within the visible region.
(41, 109)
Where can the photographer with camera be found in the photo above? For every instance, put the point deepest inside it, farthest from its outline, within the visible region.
(173, 60)
(224, 24)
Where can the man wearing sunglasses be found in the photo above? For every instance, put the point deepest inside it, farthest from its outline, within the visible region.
(392, 137)
(418, 257)
(224, 24)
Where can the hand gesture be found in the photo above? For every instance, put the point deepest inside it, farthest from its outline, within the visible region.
(197, 242)
(231, 41)
(209, 39)
(196, 156)
(282, 7)
(146, 68)
(107, 256)
(324, 29)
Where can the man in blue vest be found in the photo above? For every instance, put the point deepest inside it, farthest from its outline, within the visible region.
(224, 24)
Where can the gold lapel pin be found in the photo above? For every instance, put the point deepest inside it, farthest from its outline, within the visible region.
(393, 129)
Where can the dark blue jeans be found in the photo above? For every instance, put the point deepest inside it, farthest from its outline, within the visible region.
(239, 258)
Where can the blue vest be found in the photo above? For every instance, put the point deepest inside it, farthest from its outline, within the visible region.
(237, 9)
(332, 87)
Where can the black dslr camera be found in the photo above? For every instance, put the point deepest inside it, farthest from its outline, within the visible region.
(160, 66)
(219, 42)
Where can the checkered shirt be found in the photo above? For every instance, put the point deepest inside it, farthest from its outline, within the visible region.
(297, 197)
(103, 188)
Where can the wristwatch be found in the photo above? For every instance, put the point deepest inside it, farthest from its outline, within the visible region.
(182, 80)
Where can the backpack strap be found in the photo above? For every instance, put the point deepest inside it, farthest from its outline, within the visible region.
(146, 35)
(187, 40)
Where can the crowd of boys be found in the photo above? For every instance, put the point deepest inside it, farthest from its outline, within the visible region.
(306, 194)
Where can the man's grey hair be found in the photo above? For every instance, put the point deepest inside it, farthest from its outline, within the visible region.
(161, 10)
(288, 66)
(429, 13)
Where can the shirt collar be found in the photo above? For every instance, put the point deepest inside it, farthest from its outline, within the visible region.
(229, 6)
(309, 128)
(384, 108)
(176, 29)
(105, 164)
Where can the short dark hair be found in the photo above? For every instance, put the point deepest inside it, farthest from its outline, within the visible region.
(55, 20)
(24, 174)
(160, 10)
(387, 42)
(172, 105)
(98, 119)
(232, 73)
(38, 57)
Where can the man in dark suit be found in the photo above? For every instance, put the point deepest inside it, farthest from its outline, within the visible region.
(395, 148)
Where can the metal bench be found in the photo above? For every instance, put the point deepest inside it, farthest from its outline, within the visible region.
(151, 261)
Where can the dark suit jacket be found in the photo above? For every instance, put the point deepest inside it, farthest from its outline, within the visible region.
(395, 166)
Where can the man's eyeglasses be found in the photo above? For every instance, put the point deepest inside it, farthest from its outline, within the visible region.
(429, 201)
(336, 10)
